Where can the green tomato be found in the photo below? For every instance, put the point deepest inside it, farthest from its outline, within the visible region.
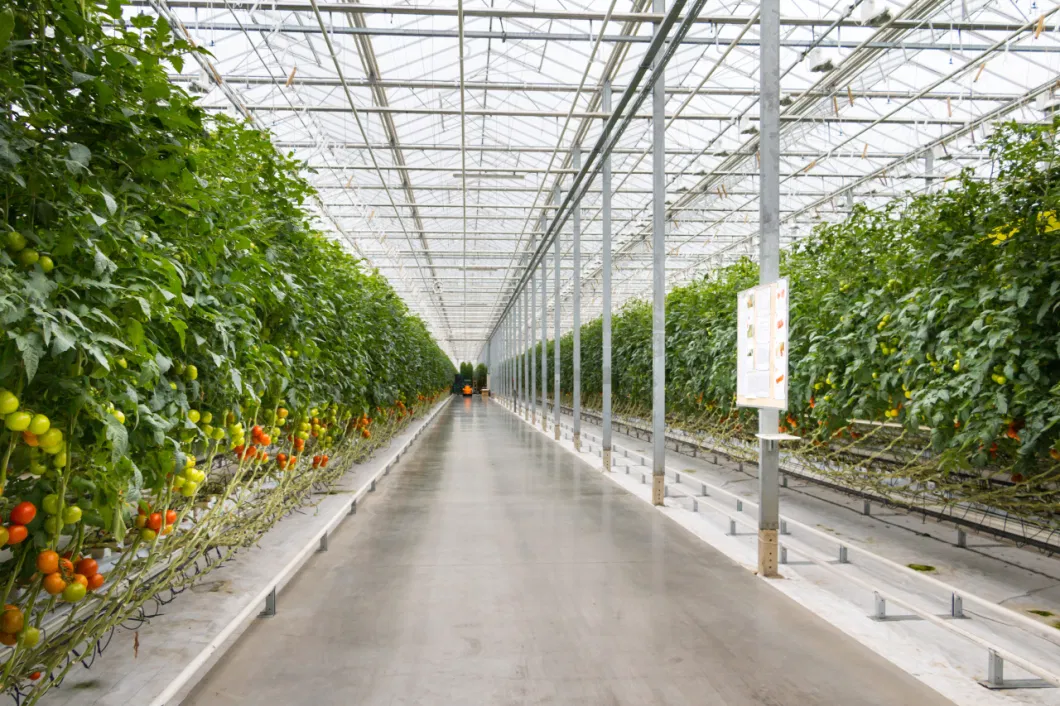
(72, 515)
(122, 363)
(15, 241)
(30, 636)
(37, 468)
(218, 434)
(119, 415)
(189, 488)
(194, 416)
(172, 386)
(39, 424)
(207, 417)
(18, 421)
(148, 535)
(60, 460)
(29, 257)
(178, 482)
(53, 525)
(51, 438)
(8, 402)
(192, 372)
(50, 504)
(74, 591)
(208, 430)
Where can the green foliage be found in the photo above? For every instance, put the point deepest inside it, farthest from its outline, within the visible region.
(939, 311)
(182, 273)
(467, 371)
(481, 373)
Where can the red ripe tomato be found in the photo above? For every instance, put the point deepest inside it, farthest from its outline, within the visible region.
(265, 440)
(281, 459)
(255, 432)
(171, 516)
(34, 676)
(66, 567)
(23, 513)
(16, 534)
(324, 459)
(95, 581)
(81, 579)
(30, 438)
(88, 566)
(154, 522)
(238, 449)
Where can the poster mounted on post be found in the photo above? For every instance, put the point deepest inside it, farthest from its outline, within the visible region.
(762, 346)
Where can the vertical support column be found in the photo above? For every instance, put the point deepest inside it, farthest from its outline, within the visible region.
(929, 168)
(769, 264)
(524, 354)
(850, 200)
(576, 283)
(530, 340)
(556, 313)
(658, 318)
(606, 216)
(544, 343)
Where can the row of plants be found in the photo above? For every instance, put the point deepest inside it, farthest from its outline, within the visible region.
(474, 375)
(936, 315)
(184, 357)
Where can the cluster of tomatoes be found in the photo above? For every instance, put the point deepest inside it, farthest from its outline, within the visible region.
(13, 626)
(363, 424)
(36, 430)
(16, 245)
(15, 531)
(62, 576)
(151, 524)
(320, 461)
(188, 480)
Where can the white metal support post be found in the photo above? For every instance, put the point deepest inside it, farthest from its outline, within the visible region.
(576, 334)
(555, 333)
(533, 348)
(929, 169)
(658, 318)
(769, 270)
(544, 344)
(606, 224)
(524, 354)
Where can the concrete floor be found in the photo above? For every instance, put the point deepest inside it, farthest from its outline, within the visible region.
(492, 567)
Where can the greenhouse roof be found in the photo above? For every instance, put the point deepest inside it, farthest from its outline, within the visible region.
(438, 133)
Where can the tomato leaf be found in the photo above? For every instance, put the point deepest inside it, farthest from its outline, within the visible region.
(117, 436)
(32, 349)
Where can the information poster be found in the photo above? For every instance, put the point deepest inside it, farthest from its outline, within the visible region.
(762, 346)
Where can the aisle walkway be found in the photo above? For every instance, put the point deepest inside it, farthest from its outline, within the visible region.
(492, 567)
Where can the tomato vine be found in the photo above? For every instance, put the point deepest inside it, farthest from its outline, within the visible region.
(937, 315)
(165, 300)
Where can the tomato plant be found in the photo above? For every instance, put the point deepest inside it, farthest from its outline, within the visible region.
(162, 289)
(930, 326)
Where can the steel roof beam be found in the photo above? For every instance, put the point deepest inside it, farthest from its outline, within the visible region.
(571, 88)
(403, 32)
(701, 117)
(574, 16)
